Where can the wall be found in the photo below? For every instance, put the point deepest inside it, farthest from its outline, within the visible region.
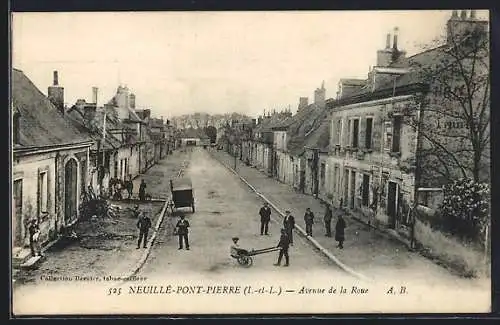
(380, 165)
(27, 169)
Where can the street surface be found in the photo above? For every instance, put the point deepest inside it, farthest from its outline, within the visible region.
(225, 208)
(366, 250)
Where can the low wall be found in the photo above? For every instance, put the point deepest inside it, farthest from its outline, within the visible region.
(450, 252)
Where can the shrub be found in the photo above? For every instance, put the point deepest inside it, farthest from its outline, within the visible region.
(466, 209)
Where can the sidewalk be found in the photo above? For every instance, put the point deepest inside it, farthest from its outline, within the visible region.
(366, 250)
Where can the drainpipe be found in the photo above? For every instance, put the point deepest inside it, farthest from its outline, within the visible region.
(56, 187)
(420, 116)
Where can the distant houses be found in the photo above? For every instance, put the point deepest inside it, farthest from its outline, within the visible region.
(61, 153)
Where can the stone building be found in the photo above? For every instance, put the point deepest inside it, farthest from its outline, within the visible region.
(50, 163)
(379, 134)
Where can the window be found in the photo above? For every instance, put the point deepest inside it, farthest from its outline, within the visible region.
(322, 175)
(42, 192)
(365, 190)
(387, 135)
(355, 133)
(338, 131)
(396, 134)
(368, 133)
(349, 132)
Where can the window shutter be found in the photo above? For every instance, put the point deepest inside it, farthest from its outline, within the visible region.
(362, 132)
(377, 133)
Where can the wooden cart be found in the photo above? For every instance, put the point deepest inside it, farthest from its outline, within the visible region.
(182, 193)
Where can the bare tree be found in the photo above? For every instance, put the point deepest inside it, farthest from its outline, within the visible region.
(454, 120)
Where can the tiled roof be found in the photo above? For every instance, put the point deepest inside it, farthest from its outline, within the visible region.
(41, 123)
(156, 123)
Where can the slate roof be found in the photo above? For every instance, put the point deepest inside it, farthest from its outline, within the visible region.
(414, 77)
(192, 133)
(305, 121)
(268, 123)
(41, 124)
(353, 82)
(95, 128)
(320, 137)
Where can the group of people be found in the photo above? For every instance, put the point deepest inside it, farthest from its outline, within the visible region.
(144, 224)
(286, 238)
(117, 185)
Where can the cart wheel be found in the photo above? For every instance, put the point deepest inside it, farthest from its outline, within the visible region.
(245, 261)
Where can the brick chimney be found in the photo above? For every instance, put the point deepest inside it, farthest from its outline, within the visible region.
(303, 102)
(55, 93)
(457, 27)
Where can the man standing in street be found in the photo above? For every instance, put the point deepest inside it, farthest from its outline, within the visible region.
(182, 231)
(136, 212)
(265, 217)
(142, 191)
(289, 225)
(283, 245)
(339, 231)
(328, 220)
(130, 186)
(144, 223)
(34, 233)
(309, 221)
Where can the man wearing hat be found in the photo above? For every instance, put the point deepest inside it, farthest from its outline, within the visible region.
(283, 245)
(144, 223)
(182, 231)
(265, 217)
(235, 250)
(288, 225)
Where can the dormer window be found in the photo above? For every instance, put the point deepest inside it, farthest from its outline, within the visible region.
(15, 127)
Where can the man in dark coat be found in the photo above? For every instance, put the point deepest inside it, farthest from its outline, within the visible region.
(339, 231)
(144, 223)
(289, 225)
(142, 190)
(34, 233)
(265, 217)
(182, 231)
(309, 221)
(328, 221)
(130, 186)
(283, 244)
(136, 212)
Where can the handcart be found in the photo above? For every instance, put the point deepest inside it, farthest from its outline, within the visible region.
(182, 193)
(244, 257)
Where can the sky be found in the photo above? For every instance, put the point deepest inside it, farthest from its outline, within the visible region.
(215, 62)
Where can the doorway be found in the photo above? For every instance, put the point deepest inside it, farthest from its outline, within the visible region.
(17, 193)
(70, 190)
(353, 189)
(392, 203)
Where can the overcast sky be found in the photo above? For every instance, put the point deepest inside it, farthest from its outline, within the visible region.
(215, 62)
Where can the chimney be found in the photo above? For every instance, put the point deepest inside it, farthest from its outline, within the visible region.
(463, 14)
(388, 41)
(56, 79)
(395, 42)
(95, 91)
(55, 94)
(89, 111)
